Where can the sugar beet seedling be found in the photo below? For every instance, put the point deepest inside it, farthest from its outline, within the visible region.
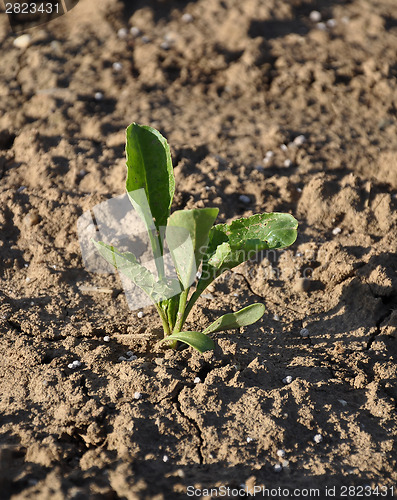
(192, 240)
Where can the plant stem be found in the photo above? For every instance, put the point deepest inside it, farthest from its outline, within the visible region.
(196, 294)
(180, 316)
(157, 249)
(163, 317)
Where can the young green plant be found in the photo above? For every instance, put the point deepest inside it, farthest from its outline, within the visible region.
(192, 240)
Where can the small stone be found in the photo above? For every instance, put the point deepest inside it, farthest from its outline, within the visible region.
(284, 147)
(321, 26)
(285, 463)
(137, 395)
(165, 45)
(27, 280)
(244, 199)
(117, 66)
(304, 332)
(342, 402)
(122, 33)
(269, 154)
(287, 163)
(140, 314)
(298, 141)
(315, 16)
(106, 338)
(71, 366)
(132, 358)
(129, 353)
(197, 380)
(280, 453)
(165, 458)
(145, 39)
(82, 172)
(76, 364)
(98, 96)
(21, 188)
(278, 468)
(32, 219)
(23, 41)
(276, 317)
(287, 379)
(336, 230)
(169, 37)
(259, 168)
(55, 45)
(249, 439)
(331, 23)
(122, 358)
(187, 18)
(318, 438)
(135, 31)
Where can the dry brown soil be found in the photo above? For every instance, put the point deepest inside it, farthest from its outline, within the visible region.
(236, 80)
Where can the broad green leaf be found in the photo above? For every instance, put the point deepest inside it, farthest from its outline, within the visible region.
(262, 231)
(149, 167)
(187, 238)
(127, 264)
(244, 317)
(231, 244)
(198, 340)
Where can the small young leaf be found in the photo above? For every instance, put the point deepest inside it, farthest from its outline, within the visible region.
(262, 231)
(127, 264)
(187, 237)
(198, 340)
(244, 317)
(231, 244)
(149, 167)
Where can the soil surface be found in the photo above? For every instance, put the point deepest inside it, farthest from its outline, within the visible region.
(256, 98)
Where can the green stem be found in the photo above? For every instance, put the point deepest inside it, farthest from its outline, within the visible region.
(163, 317)
(196, 294)
(155, 242)
(180, 316)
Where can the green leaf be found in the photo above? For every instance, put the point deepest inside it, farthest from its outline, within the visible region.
(170, 308)
(127, 264)
(244, 317)
(149, 168)
(262, 231)
(231, 244)
(187, 238)
(198, 340)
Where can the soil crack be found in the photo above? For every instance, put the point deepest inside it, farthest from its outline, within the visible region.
(261, 296)
(193, 422)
